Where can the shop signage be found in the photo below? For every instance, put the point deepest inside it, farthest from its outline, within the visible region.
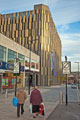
(8, 66)
(33, 67)
(16, 67)
(66, 66)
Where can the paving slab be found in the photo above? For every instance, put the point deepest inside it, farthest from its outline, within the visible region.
(9, 112)
(63, 112)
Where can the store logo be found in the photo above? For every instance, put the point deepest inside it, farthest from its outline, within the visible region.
(9, 66)
(0, 64)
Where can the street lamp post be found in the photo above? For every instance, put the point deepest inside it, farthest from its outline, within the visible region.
(16, 72)
(16, 85)
(78, 73)
(66, 83)
(29, 68)
(30, 77)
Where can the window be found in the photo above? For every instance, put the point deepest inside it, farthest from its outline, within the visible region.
(21, 59)
(27, 62)
(11, 56)
(2, 53)
(32, 64)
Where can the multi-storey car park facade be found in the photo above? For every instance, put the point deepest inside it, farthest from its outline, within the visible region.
(36, 30)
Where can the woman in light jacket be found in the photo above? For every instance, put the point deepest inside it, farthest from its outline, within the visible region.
(21, 95)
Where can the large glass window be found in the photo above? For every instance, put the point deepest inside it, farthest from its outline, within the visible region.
(21, 59)
(2, 53)
(27, 62)
(11, 56)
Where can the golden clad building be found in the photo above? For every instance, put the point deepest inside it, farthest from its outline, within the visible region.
(36, 30)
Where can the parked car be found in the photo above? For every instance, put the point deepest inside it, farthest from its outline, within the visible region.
(73, 86)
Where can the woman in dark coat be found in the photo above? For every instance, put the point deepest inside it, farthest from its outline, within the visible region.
(35, 100)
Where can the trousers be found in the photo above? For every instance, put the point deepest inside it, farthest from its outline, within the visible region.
(20, 106)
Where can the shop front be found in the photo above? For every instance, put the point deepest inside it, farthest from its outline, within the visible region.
(32, 70)
(7, 78)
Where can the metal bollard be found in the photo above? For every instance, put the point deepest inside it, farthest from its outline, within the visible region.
(6, 93)
(60, 97)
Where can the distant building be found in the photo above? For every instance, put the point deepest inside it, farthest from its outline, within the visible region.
(36, 30)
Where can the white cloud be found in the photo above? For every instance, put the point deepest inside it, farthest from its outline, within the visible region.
(66, 11)
(71, 47)
(63, 11)
(74, 66)
(70, 43)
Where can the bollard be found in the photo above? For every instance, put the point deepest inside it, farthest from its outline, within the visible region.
(60, 97)
(6, 93)
(79, 96)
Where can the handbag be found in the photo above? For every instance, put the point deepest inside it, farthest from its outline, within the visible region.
(30, 108)
(41, 109)
(15, 101)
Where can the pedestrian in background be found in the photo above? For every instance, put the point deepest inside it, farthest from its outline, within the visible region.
(35, 100)
(21, 95)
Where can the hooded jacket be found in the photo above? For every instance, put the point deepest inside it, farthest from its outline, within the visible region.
(21, 95)
(35, 97)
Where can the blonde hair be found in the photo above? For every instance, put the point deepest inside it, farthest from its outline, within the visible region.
(35, 87)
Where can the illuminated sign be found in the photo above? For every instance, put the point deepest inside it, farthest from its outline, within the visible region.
(8, 66)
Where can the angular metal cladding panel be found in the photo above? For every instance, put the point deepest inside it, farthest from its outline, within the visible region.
(26, 33)
(23, 19)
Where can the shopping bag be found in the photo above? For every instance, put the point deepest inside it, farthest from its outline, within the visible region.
(30, 108)
(41, 109)
(15, 101)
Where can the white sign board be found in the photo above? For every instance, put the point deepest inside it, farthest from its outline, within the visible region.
(66, 67)
(16, 67)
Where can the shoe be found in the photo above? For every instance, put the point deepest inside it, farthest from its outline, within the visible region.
(37, 114)
(34, 116)
(22, 112)
(18, 116)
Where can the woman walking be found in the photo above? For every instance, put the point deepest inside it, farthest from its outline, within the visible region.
(21, 95)
(35, 100)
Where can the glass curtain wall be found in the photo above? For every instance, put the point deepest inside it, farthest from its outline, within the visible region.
(21, 59)
(11, 56)
(2, 54)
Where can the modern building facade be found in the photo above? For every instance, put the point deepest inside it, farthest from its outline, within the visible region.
(9, 51)
(36, 30)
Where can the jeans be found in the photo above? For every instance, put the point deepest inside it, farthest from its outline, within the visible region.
(18, 109)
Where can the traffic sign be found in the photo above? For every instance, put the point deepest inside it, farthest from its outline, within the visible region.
(66, 66)
(16, 67)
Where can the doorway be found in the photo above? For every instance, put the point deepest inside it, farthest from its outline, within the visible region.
(36, 79)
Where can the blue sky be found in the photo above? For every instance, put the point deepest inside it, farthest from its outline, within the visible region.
(66, 16)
